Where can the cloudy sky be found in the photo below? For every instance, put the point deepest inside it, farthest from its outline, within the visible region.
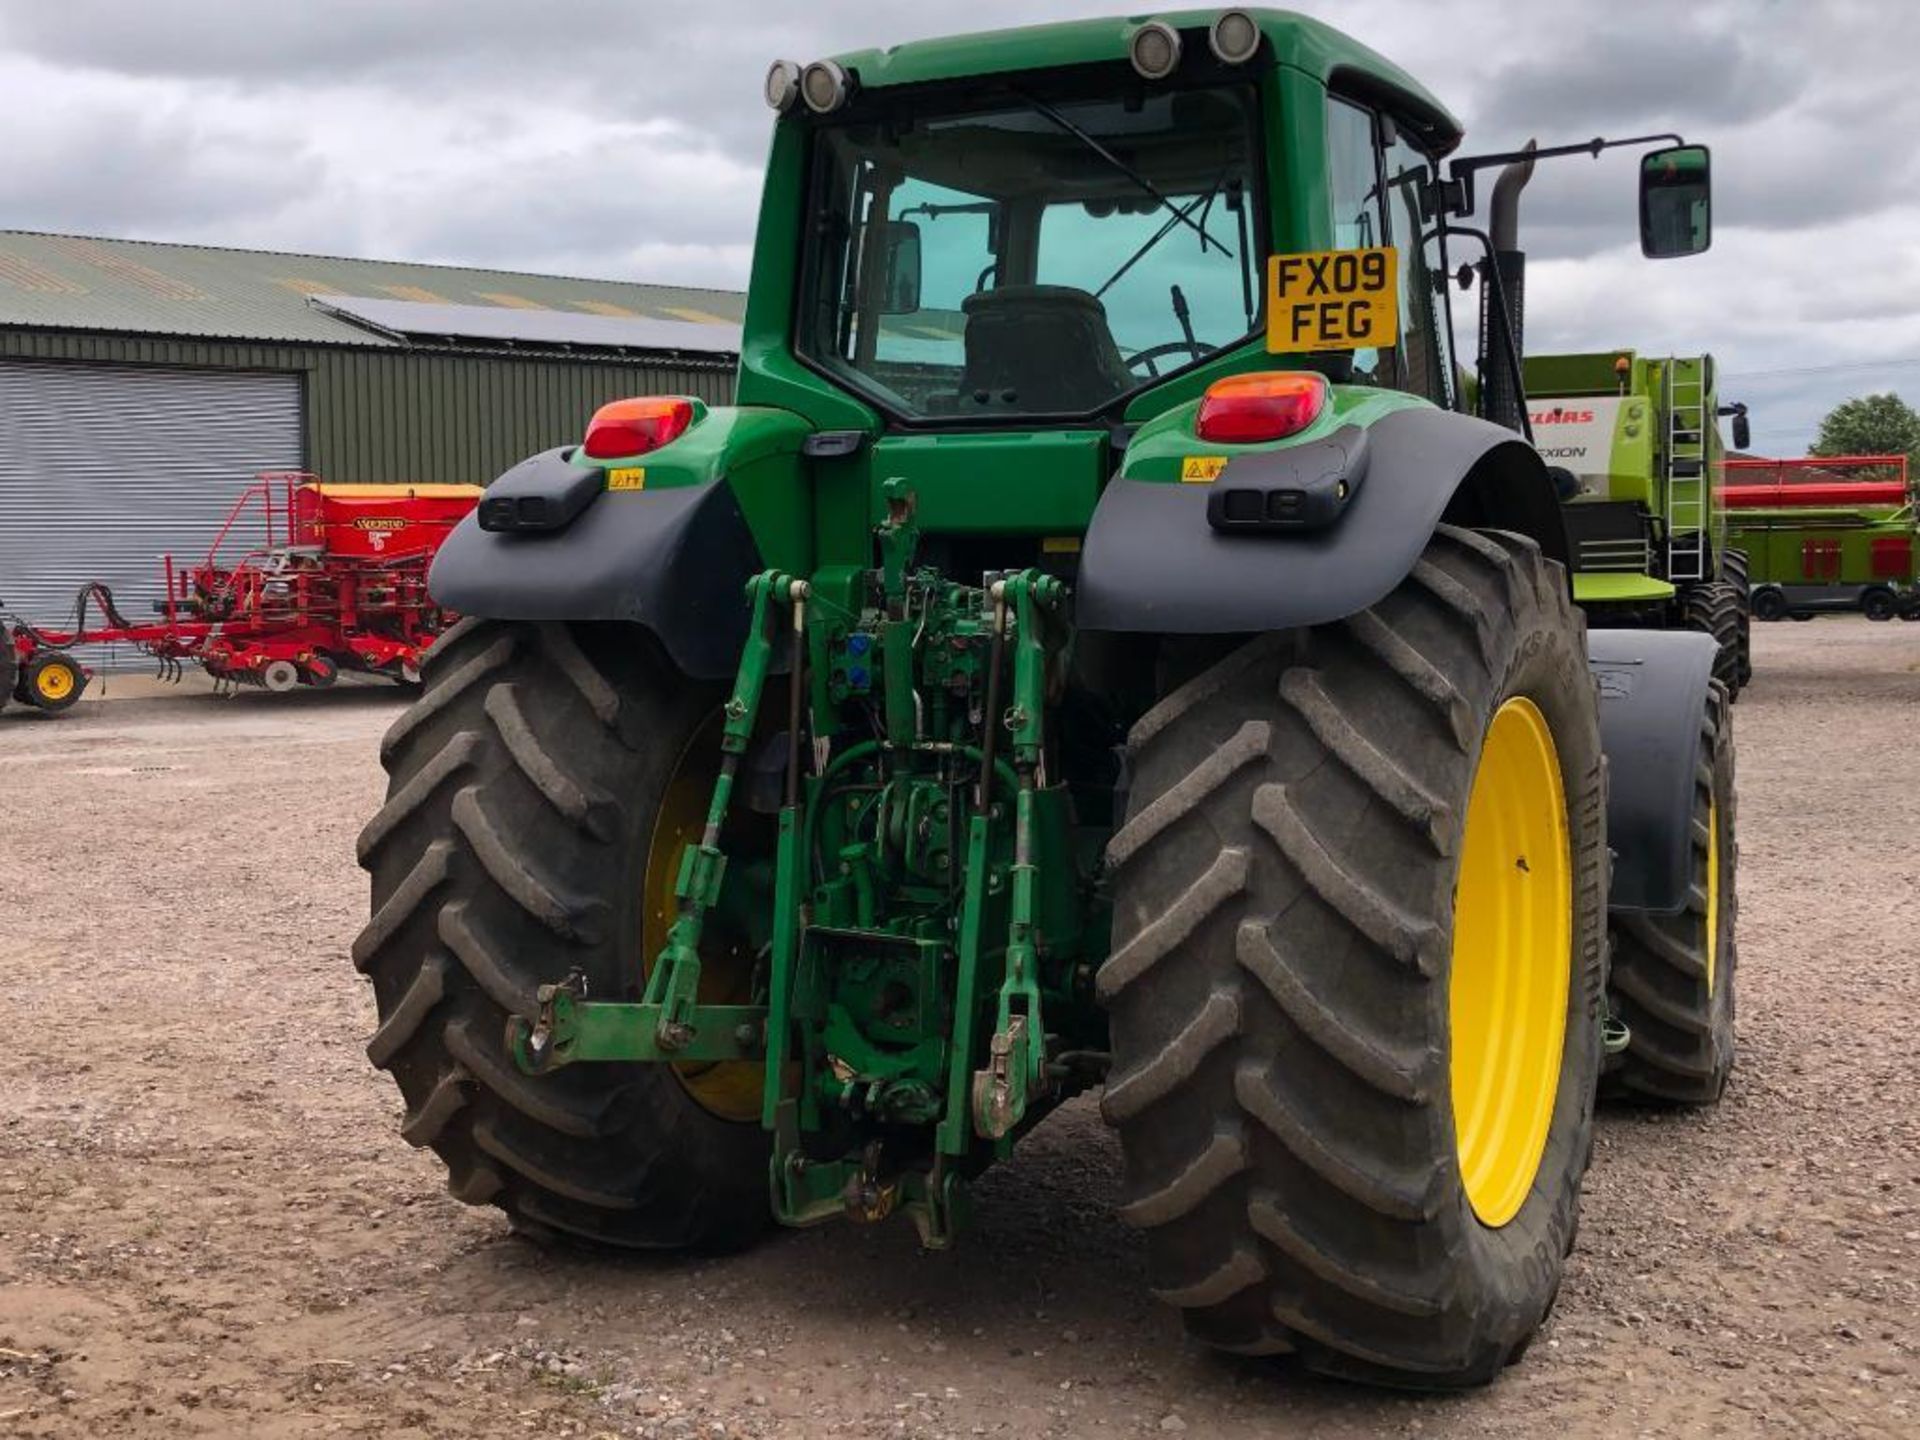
(624, 138)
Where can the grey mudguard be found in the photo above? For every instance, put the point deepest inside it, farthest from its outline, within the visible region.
(674, 560)
(1151, 562)
(1653, 692)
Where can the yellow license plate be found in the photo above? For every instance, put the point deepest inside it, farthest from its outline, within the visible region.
(1333, 300)
(1202, 469)
(634, 477)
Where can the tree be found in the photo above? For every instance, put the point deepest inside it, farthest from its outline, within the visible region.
(1870, 425)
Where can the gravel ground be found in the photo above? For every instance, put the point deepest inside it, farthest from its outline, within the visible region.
(208, 1225)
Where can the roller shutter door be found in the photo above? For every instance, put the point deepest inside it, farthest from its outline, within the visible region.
(105, 468)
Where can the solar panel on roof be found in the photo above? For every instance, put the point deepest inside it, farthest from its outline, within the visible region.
(418, 319)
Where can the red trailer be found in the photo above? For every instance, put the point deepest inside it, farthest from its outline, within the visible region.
(339, 582)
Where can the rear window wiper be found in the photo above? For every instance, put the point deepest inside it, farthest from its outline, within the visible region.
(1042, 108)
(1202, 203)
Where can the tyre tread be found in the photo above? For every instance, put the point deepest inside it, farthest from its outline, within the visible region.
(511, 812)
(1281, 1156)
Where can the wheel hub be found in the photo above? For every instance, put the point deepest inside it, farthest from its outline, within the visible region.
(1511, 964)
(730, 1089)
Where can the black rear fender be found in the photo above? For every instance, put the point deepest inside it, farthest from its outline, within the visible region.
(1152, 562)
(672, 559)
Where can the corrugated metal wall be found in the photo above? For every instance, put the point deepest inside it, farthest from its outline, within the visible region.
(408, 415)
(396, 415)
(105, 467)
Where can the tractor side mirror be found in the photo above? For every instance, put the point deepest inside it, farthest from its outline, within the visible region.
(1676, 202)
(900, 277)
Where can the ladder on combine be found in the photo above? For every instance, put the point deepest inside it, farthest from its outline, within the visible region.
(1687, 481)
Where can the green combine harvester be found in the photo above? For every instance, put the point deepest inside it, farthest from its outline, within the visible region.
(1640, 435)
(1097, 651)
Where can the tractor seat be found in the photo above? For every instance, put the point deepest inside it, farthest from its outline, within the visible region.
(1048, 344)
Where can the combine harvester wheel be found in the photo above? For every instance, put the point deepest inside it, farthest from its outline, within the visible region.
(1734, 570)
(1720, 608)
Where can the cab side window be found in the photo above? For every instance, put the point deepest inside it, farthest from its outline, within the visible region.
(1426, 348)
(1359, 220)
(1377, 181)
(958, 258)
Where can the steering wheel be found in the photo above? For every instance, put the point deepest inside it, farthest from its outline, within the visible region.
(1153, 354)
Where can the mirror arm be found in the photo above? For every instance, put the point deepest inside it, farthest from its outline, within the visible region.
(1456, 192)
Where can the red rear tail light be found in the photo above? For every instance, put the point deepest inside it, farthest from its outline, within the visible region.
(623, 428)
(1266, 405)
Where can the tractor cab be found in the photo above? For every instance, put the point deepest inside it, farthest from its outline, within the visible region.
(1041, 246)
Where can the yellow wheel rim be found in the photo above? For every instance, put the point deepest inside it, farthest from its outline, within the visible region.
(1713, 891)
(1512, 962)
(54, 682)
(729, 1089)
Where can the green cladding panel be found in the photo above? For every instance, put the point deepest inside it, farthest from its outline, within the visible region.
(406, 414)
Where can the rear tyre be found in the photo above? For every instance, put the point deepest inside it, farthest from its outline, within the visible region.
(52, 682)
(1717, 608)
(1879, 604)
(1672, 981)
(1733, 570)
(513, 848)
(1355, 1121)
(1769, 604)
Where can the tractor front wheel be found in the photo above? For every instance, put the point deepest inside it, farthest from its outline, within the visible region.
(1360, 901)
(1672, 976)
(531, 804)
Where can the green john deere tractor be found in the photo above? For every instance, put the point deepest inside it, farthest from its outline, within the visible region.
(1640, 435)
(1096, 650)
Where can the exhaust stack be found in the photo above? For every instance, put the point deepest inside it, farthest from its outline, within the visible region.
(1503, 327)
